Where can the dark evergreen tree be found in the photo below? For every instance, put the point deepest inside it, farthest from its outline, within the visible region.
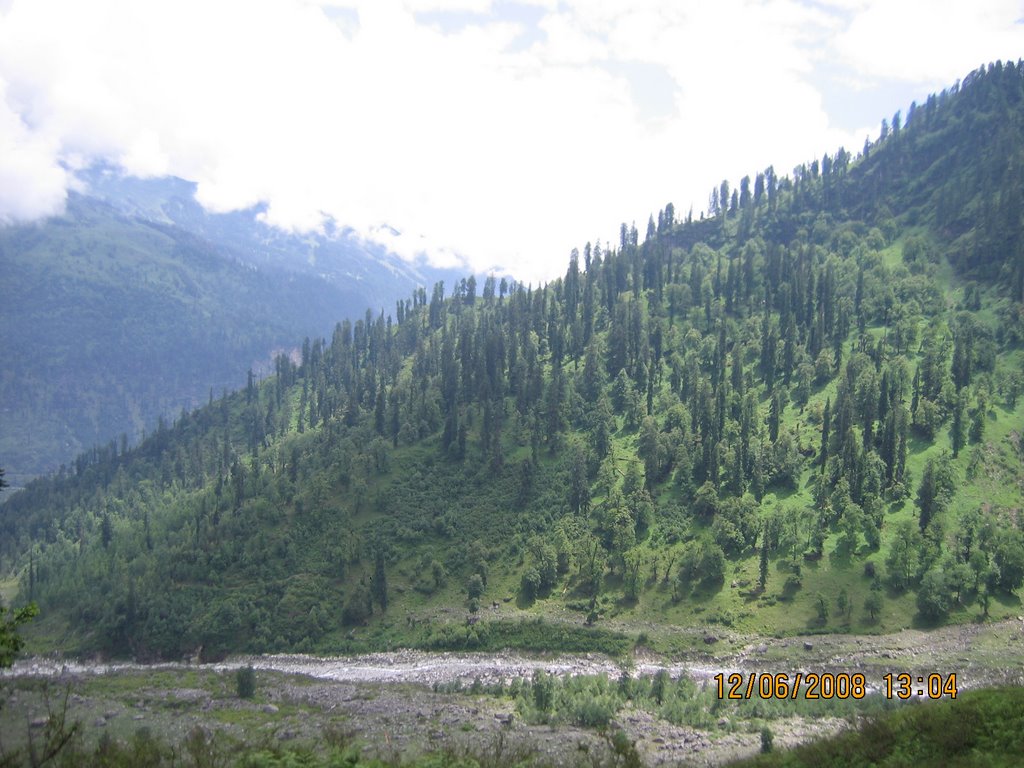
(379, 585)
(928, 502)
(826, 424)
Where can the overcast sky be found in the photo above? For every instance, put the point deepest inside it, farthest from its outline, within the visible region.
(501, 133)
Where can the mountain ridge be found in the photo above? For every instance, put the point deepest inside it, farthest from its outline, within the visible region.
(244, 234)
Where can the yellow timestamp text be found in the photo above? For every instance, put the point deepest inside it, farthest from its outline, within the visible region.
(831, 685)
(933, 686)
(806, 685)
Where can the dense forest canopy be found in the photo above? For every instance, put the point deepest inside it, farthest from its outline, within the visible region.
(798, 410)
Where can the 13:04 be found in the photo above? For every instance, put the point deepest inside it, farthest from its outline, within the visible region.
(905, 685)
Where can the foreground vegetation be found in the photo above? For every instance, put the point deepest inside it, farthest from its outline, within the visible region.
(800, 412)
(980, 728)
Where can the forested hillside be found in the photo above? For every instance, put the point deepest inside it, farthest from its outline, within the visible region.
(798, 411)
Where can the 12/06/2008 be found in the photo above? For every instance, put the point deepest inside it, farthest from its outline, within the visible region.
(829, 685)
(807, 685)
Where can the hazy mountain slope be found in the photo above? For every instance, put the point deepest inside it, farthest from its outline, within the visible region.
(119, 312)
(336, 255)
(111, 322)
(801, 412)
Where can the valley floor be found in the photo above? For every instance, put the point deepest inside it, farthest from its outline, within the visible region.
(406, 703)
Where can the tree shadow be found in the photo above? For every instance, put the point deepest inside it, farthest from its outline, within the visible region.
(920, 621)
(706, 590)
(750, 595)
(612, 581)
(783, 491)
(1007, 599)
(840, 557)
(816, 623)
(579, 589)
(790, 588)
(918, 444)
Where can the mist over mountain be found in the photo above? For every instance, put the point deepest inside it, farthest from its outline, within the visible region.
(136, 303)
(337, 254)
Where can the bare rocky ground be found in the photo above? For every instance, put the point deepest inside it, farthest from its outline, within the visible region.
(388, 701)
(387, 719)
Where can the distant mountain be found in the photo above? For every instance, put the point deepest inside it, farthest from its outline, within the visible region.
(338, 256)
(136, 304)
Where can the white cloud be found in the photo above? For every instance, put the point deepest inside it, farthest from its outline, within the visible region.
(930, 42)
(475, 6)
(465, 141)
(32, 184)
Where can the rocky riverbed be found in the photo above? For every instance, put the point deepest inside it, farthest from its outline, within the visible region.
(407, 701)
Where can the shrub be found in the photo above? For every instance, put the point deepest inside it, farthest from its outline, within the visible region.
(530, 583)
(245, 682)
(543, 691)
(933, 596)
(593, 711)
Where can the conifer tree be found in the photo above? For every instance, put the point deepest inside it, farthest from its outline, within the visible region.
(927, 496)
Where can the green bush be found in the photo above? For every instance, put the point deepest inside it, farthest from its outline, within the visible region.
(594, 711)
(543, 691)
(245, 682)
